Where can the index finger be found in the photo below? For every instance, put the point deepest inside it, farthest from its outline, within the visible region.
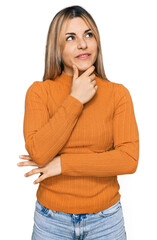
(25, 157)
(89, 71)
(27, 163)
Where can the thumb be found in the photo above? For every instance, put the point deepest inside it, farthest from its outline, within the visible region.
(75, 72)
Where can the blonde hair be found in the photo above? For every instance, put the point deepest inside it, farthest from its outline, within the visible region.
(53, 60)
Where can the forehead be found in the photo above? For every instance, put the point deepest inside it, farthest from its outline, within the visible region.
(76, 25)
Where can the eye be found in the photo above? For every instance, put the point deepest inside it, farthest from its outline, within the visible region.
(89, 34)
(70, 38)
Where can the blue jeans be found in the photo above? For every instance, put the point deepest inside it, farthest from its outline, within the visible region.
(107, 224)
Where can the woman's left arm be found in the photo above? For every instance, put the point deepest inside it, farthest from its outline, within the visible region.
(51, 169)
(123, 157)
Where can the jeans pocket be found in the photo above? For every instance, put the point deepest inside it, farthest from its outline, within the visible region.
(41, 209)
(111, 210)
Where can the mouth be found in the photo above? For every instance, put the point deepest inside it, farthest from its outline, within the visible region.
(83, 56)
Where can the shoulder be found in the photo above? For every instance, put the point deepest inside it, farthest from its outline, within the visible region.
(116, 87)
(38, 86)
(38, 89)
(121, 95)
(119, 91)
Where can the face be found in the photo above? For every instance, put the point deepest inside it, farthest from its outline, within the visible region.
(80, 46)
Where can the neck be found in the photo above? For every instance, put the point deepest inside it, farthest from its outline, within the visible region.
(71, 73)
(81, 72)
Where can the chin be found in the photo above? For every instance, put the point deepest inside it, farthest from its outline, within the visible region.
(84, 68)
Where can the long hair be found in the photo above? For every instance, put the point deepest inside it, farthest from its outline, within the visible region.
(53, 61)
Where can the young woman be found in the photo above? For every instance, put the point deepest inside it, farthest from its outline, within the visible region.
(80, 132)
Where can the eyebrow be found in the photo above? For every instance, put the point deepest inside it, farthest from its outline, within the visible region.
(72, 33)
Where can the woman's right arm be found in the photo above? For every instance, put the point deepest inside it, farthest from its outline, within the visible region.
(45, 136)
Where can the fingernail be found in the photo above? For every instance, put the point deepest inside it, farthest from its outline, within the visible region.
(20, 155)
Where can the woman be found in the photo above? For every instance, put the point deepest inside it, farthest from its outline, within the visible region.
(80, 132)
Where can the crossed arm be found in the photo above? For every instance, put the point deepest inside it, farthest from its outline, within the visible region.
(123, 159)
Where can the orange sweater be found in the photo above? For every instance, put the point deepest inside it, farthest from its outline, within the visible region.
(96, 142)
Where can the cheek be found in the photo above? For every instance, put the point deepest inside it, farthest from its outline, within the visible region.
(95, 51)
(94, 46)
(68, 53)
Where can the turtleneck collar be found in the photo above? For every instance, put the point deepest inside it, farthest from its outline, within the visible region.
(66, 80)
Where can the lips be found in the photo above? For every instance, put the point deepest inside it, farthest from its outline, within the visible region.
(83, 55)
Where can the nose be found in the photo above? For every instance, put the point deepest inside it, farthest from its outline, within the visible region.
(82, 44)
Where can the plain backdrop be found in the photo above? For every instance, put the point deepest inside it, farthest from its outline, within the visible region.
(129, 44)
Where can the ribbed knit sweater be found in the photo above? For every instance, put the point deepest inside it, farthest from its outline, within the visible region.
(96, 141)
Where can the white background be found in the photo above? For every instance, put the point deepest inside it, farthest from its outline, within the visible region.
(129, 44)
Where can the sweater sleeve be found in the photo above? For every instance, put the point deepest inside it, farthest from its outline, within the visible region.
(124, 155)
(45, 136)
